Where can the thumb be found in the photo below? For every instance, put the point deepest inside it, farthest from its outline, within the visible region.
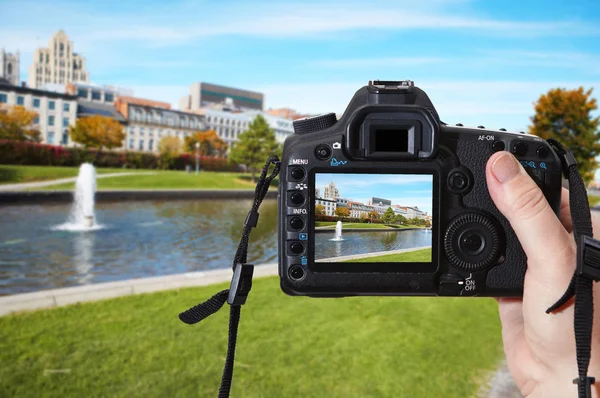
(548, 246)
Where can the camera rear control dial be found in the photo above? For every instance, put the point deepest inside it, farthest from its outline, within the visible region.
(473, 241)
(314, 123)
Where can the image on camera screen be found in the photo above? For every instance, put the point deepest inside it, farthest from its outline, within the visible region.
(373, 218)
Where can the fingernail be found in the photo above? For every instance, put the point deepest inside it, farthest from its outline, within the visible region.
(505, 168)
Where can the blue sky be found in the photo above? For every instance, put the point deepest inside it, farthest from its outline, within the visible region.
(405, 190)
(482, 62)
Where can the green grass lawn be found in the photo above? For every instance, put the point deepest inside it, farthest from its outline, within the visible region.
(20, 174)
(593, 200)
(417, 256)
(167, 179)
(288, 347)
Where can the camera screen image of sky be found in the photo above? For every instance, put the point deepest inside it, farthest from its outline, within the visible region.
(373, 218)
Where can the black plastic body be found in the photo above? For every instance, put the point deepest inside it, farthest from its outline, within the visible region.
(451, 149)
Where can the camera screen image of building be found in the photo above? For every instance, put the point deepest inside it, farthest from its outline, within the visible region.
(373, 218)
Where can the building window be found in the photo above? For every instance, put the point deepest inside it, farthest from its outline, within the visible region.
(108, 97)
(50, 120)
(131, 143)
(3, 99)
(36, 120)
(50, 137)
(65, 137)
(95, 95)
(51, 105)
(82, 93)
(150, 133)
(66, 107)
(150, 145)
(36, 102)
(65, 122)
(141, 131)
(20, 100)
(159, 132)
(141, 145)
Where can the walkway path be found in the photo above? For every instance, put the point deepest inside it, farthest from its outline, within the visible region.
(40, 184)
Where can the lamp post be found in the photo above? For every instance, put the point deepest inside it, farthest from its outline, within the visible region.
(197, 157)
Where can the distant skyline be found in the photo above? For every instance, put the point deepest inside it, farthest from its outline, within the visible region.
(405, 190)
(482, 62)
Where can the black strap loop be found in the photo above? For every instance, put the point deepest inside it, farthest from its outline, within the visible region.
(241, 282)
(588, 269)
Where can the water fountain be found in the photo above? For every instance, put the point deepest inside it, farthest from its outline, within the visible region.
(338, 232)
(81, 217)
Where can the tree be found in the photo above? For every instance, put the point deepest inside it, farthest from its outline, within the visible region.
(374, 215)
(389, 216)
(400, 219)
(342, 212)
(565, 115)
(97, 132)
(255, 145)
(169, 147)
(319, 210)
(210, 143)
(16, 124)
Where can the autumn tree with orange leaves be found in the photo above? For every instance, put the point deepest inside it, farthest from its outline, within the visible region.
(97, 132)
(565, 115)
(16, 123)
(210, 143)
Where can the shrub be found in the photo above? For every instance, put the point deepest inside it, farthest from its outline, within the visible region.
(33, 154)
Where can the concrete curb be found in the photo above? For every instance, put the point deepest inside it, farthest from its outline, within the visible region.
(37, 197)
(100, 291)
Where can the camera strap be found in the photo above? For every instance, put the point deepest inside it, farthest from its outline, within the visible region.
(586, 273)
(241, 282)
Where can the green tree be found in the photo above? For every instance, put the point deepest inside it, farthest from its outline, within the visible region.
(319, 210)
(16, 123)
(255, 145)
(566, 115)
(400, 219)
(169, 147)
(388, 216)
(97, 132)
(342, 212)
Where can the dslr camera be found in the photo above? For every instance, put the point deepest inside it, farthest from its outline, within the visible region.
(388, 200)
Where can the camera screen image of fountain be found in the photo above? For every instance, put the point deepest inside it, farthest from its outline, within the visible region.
(338, 232)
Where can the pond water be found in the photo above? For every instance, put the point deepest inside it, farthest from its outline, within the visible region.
(138, 239)
(364, 241)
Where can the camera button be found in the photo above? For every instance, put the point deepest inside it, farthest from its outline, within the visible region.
(296, 223)
(323, 152)
(297, 198)
(297, 248)
(297, 173)
(498, 146)
(542, 152)
(296, 272)
(459, 181)
(520, 148)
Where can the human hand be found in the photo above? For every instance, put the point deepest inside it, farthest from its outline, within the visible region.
(539, 348)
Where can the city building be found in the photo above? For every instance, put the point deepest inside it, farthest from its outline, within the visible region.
(360, 210)
(414, 212)
(328, 205)
(331, 192)
(203, 95)
(97, 93)
(229, 125)
(9, 67)
(147, 124)
(400, 210)
(380, 205)
(57, 64)
(122, 104)
(285, 113)
(90, 108)
(56, 111)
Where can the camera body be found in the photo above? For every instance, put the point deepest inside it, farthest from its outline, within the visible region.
(390, 201)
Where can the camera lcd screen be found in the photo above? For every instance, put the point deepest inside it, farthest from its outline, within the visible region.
(373, 218)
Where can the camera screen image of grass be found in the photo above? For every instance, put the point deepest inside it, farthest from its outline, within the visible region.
(373, 218)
